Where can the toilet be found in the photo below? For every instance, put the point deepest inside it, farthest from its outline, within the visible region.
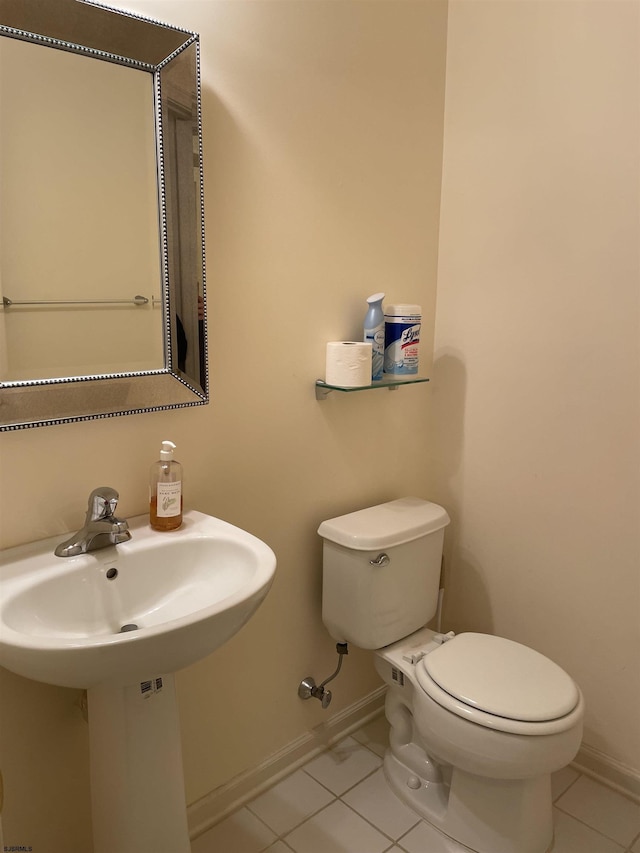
(478, 723)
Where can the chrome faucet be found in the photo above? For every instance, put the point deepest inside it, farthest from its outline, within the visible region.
(101, 527)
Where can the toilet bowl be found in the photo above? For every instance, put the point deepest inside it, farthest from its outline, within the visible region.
(478, 722)
(479, 774)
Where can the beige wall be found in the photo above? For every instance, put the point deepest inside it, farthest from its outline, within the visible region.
(323, 151)
(536, 392)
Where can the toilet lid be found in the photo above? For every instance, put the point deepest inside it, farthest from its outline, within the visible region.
(501, 677)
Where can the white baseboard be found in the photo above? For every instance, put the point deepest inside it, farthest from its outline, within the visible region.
(609, 771)
(213, 807)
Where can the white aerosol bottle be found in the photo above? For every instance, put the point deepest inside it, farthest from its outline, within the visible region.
(374, 334)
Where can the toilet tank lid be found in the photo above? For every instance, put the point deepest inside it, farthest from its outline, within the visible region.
(385, 525)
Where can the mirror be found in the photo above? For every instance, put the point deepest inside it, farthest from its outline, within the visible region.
(101, 224)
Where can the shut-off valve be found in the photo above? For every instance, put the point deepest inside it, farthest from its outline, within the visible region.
(308, 687)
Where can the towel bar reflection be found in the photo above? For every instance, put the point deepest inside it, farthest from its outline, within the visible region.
(137, 300)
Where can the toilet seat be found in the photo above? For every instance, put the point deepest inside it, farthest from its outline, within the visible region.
(499, 684)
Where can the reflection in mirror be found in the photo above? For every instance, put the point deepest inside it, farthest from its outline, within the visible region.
(72, 155)
(178, 81)
(101, 235)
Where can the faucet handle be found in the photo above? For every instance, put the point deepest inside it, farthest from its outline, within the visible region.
(102, 503)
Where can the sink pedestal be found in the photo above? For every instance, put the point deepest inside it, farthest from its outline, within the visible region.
(137, 785)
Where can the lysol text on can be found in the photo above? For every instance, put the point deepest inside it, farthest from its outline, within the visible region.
(402, 338)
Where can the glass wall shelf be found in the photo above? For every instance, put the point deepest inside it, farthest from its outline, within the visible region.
(323, 389)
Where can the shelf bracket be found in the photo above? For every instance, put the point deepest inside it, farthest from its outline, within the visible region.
(322, 393)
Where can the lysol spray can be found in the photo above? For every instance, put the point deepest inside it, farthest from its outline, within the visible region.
(374, 333)
(401, 339)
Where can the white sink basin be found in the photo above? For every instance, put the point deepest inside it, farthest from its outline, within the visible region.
(187, 592)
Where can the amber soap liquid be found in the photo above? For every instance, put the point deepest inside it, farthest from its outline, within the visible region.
(163, 523)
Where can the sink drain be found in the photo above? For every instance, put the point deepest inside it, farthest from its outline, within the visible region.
(130, 626)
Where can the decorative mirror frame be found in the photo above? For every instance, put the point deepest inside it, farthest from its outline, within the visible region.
(105, 30)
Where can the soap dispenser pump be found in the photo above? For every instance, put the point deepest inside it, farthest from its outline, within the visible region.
(165, 490)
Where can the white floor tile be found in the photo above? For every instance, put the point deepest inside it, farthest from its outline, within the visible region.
(425, 839)
(337, 829)
(375, 801)
(375, 735)
(562, 780)
(571, 836)
(602, 809)
(368, 818)
(241, 832)
(343, 766)
(290, 802)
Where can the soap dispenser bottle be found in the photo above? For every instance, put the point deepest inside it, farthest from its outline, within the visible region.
(165, 490)
(374, 334)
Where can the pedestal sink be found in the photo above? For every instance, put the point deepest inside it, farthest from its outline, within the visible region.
(119, 622)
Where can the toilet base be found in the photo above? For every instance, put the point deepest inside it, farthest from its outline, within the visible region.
(483, 815)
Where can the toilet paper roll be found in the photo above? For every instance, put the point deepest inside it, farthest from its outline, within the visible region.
(348, 364)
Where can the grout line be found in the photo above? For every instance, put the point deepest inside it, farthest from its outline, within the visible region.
(397, 842)
(592, 828)
(281, 837)
(568, 788)
(584, 823)
(362, 817)
(304, 819)
(607, 783)
(338, 798)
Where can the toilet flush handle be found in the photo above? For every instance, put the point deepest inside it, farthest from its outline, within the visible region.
(381, 560)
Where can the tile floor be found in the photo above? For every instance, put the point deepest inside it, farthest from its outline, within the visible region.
(339, 802)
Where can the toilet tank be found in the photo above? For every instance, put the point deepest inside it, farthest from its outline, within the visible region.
(367, 600)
